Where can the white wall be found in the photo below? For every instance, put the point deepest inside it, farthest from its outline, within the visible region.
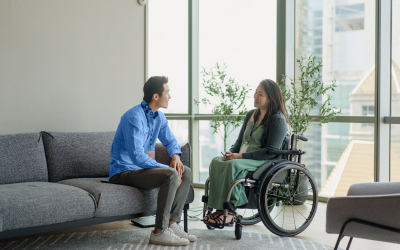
(69, 65)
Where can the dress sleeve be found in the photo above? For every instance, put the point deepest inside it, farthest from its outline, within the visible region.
(277, 129)
(133, 132)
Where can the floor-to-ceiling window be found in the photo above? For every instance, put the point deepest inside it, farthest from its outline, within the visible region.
(341, 34)
(395, 93)
(168, 56)
(243, 36)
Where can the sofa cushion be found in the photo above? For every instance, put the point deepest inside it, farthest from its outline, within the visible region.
(33, 204)
(22, 158)
(77, 155)
(114, 199)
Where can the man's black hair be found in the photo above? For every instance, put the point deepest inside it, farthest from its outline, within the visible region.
(154, 85)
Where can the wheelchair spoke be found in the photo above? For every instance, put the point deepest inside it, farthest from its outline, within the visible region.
(299, 212)
(273, 204)
(283, 221)
(279, 212)
(294, 219)
(300, 184)
(280, 191)
(277, 196)
(304, 191)
(304, 202)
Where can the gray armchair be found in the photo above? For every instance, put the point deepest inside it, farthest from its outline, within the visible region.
(369, 211)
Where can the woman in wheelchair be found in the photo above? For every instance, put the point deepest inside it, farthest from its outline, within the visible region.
(263, 129)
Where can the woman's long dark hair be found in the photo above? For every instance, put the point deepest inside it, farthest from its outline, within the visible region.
(276, 101)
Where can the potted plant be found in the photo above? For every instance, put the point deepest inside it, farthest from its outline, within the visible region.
(301, 95)
(228, 96)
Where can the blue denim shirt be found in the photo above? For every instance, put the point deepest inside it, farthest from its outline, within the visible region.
(136, 134)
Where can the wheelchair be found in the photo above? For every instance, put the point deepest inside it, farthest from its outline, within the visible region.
(283, 192)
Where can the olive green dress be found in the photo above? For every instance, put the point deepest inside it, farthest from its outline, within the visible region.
(223, 173)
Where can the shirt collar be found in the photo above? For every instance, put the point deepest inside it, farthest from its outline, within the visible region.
(148, 110)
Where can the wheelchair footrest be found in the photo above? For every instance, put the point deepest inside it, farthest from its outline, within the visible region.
(228, 205)
(204, 199)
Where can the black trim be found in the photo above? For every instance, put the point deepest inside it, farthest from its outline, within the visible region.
(367, 223)
(67, 225)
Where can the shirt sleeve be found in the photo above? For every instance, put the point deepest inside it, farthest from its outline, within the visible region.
(167, 138)
(134, 140)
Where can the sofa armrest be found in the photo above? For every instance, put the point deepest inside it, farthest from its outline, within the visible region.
(163, 157)
(379, 209)
(375, 188)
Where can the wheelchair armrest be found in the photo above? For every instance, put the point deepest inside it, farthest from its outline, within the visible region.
(286, 152)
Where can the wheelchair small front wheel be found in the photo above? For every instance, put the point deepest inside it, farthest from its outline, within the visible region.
(238, 229)
(282, 187)
(210, 227)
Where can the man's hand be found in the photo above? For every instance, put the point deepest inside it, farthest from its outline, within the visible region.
(231, 156)
(177, 164)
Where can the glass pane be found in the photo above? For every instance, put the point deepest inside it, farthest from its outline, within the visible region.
(168, 49)
(242, 35)
(211, 145)
(342, 35)
(180, 129)
(394, 153)
(395, 111)
(395, 58)
(341, 156)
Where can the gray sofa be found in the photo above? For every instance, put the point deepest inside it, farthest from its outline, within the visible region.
(53, 181)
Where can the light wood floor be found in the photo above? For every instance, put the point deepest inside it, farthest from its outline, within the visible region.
(315, 232)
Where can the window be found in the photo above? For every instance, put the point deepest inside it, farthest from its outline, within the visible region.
(368, 111)
(395, 93)
(349, 18)
(168, 49)
(241, 35)
(346, 47)
(340, 156)
(244, 37)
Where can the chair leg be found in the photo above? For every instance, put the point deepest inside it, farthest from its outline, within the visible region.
(185, 217)
(348, 244)
(338, 241)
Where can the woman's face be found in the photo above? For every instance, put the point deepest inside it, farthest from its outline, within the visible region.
(261, 99)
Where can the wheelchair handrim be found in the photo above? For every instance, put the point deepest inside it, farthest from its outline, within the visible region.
(269, 218)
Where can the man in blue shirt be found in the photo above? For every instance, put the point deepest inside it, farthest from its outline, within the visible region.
(133, 161)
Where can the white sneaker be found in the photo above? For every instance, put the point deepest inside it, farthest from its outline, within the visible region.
(167, 238)
(178, 230)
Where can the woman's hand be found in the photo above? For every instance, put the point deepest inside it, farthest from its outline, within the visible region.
(231, 156)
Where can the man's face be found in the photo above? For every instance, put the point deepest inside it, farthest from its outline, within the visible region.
(162, 101)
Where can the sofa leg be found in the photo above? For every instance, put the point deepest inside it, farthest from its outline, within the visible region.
(185, 217)
(348, 245)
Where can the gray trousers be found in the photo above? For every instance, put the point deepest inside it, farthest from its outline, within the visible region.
(170, 200)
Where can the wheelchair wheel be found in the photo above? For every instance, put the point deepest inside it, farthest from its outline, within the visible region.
(282, 187)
